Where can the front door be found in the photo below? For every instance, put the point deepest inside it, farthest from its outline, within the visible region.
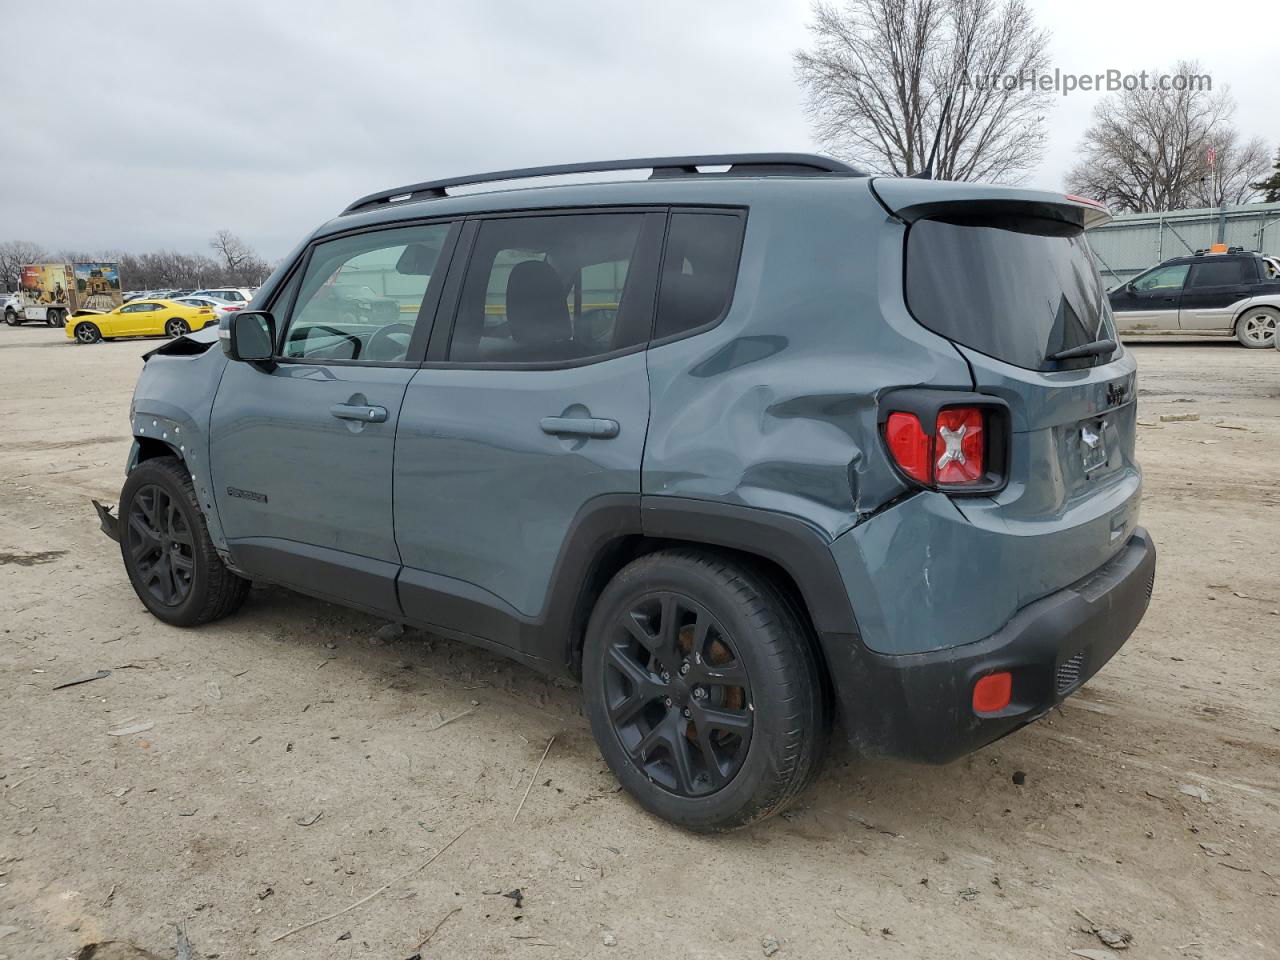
(301, 451)
(136, 319)
(1150, 302)
(530, 413)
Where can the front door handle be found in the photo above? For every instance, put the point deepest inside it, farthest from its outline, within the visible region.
(359, 412)
(580, 427)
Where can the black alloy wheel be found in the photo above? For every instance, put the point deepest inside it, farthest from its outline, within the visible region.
(161, 546)
(678, 695)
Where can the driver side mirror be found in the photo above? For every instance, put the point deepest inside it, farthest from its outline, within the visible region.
(249, 335)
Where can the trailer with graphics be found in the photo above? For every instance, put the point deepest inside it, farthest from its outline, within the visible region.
(52, 292)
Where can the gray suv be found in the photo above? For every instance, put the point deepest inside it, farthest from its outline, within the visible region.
(747, 451)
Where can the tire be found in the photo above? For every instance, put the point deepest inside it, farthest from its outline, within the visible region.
(87, 332)
(160, 524)
(664, 631)
(55, 318)
(177, 327)
(11, 318)
(1256, 328)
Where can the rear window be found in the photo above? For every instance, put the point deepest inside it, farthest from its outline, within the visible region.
(699, 269)
(1221, 273)
(1015, 288)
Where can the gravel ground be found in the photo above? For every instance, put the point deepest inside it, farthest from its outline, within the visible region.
(297, 758)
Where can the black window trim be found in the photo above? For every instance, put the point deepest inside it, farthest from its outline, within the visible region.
(721, 210)
(428, 312)
(437, 351)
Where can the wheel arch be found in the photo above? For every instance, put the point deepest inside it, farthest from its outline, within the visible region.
(1273, 307)
(793, 555)
(149, 448)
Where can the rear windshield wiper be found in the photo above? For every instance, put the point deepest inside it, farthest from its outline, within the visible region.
(1095, 349)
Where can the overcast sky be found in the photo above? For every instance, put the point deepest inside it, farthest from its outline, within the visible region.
(144, 125)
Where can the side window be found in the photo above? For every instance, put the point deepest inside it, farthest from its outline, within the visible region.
(698, 271)
(361, 295)
(551, 289)
(1162, 279)
(1217, 273)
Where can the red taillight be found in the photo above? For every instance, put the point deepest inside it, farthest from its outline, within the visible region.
(955, 454)
(993, 692)
(911, 448)
(960, 445)
(232, 309)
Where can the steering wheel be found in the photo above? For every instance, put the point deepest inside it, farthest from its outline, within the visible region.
(383, 337)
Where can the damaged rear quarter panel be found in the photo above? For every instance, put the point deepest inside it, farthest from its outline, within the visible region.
(775, 408)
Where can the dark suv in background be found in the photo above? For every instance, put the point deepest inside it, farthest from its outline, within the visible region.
(741, 449)
(1227, 294)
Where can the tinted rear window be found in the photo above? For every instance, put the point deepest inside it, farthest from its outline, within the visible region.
(698, 271)
(1219, 273)
(1015, 288)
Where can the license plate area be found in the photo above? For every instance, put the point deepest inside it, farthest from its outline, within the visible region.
(1092, 439)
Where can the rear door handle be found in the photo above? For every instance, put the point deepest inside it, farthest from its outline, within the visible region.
(363, 414)
(580, 427)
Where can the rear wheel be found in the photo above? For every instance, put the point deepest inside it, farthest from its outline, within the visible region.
(171, 562)
(703, 690)
(177, 327)
(55, 318)
(87, 332)
(1257, 327)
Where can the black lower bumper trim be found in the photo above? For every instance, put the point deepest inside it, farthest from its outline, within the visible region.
(110, 524)
(919, 706)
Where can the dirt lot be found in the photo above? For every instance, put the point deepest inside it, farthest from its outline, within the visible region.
(293, 761)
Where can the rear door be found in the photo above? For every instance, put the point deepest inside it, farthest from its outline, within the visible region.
(1213, 291)
(1012, 283)
(530, 413)
(301, 450)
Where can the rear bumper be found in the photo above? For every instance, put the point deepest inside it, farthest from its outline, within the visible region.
(919, 706)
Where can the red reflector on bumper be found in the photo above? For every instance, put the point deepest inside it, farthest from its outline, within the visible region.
(993, 692)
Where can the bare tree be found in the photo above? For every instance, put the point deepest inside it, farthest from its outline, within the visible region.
(230, 249)
(1149, 148)
(243, 266)
(14, 255)
(1230, 173)
(886, 78)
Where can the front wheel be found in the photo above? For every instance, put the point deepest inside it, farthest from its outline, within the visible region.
(703, 690)
(1256, 328)
(11, 318)
(177, 327)
(88, 332)
(173, 566)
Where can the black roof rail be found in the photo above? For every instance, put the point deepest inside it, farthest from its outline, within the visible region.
(760, 164)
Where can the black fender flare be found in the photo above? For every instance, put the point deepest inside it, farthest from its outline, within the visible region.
(794, 545)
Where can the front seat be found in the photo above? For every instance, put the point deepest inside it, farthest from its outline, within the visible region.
(538, 314)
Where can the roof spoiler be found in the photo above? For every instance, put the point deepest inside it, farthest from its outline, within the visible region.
(910, 200)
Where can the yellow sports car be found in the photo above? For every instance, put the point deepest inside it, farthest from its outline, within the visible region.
(139, 318)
